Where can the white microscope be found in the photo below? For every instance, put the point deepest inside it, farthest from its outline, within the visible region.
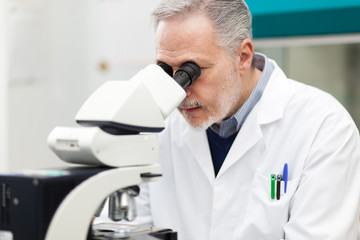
(117, 149)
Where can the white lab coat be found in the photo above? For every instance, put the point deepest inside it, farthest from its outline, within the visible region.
(292, 123)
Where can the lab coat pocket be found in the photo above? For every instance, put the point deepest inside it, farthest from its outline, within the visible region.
(266, 217)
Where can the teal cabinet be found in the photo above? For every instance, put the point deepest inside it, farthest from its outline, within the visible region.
(284, 18)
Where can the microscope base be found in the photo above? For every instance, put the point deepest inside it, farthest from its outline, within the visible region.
(112, 231)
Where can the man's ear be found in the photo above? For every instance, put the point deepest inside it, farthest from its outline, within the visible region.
(245, 52)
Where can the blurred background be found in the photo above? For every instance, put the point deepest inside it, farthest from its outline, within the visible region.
(54, 54)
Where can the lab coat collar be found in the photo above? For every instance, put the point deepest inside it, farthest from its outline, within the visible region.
(250, 134)
(198, 144)
(272, 103)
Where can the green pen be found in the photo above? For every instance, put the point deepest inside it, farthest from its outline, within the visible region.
(273, 180)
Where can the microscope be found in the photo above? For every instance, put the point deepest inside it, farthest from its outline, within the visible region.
(114, 151)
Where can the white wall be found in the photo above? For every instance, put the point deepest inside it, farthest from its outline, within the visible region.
(124, 37)
(48, 70)
(3, 92)
(55, 53)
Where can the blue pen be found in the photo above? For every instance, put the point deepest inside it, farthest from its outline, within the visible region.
(285, 176)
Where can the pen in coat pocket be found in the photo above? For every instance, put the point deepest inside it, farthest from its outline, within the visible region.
(273, 179)
(285, 176)
(278, 186)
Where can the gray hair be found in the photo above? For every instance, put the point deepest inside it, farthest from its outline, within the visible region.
(231, 18)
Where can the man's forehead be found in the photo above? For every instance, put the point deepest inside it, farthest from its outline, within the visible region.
(190, 31)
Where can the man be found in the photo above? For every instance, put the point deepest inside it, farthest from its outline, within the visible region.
(242, 120)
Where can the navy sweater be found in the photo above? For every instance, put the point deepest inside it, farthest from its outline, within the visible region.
(219, 148)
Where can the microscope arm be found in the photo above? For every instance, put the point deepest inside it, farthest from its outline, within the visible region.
(83, 201)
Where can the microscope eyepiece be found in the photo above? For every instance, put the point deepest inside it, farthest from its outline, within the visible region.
(187, 73)
(166, 68)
